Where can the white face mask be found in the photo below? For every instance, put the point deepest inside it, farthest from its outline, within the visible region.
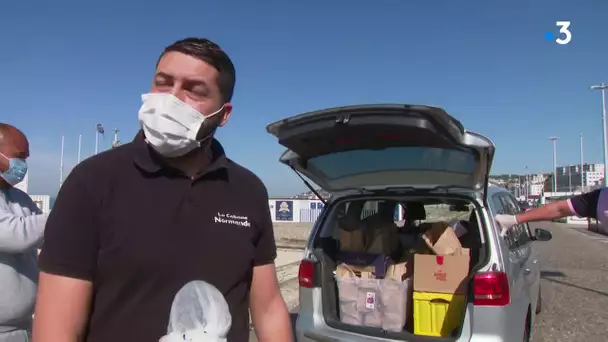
(170, 125)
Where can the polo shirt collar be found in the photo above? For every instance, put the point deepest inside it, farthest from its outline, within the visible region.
(151, 161)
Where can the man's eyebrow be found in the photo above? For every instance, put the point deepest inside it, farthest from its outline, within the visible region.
(163, 75)
(189, 81)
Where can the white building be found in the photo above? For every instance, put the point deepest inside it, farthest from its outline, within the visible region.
(536, 184)
(43, 202)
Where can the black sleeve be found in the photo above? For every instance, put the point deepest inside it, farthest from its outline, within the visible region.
(265, 249)
(585, 205)
(71, 238)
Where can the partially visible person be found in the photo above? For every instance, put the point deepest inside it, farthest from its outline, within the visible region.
(592, 204)
(21, 233)
(132, 225)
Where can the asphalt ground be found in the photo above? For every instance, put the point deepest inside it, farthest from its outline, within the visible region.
(574, 281)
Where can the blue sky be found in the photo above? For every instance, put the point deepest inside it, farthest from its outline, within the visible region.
(68, 65)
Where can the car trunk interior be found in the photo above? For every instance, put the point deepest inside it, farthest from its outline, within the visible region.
(412, 215)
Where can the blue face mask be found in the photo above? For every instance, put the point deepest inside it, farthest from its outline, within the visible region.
(16, 170)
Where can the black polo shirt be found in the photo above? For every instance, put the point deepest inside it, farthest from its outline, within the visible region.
(586, 205)
(139, 230)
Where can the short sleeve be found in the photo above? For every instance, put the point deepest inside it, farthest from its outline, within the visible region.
(585, 205)
(71, 234)
(265, 248)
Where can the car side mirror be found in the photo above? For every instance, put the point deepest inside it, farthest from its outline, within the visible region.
(542, 235)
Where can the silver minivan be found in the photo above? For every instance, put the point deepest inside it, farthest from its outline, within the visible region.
(422, 160)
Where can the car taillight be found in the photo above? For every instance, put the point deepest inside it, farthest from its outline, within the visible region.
(491, 289)
(306, 274)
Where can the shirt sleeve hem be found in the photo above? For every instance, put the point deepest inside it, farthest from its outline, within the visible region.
(265, 261)
(569, 201)
(66, 271)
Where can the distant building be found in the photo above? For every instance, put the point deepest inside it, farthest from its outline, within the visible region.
(569, 176)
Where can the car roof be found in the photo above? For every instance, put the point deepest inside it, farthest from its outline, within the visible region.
(496, 189)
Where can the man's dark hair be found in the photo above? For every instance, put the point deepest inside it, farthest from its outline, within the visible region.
(212, 54)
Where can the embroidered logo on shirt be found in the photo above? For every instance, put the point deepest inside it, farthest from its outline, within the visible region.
(237, 220)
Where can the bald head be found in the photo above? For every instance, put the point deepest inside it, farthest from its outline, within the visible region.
(13, 143)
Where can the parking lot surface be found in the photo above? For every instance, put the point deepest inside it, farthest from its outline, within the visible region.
(574, 285)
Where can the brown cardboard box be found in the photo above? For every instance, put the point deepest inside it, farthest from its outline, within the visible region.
(344, 270)
(399, 272)
(352, 241)
(441, 239)
(382, 239)
(448, 270)
(442, 273)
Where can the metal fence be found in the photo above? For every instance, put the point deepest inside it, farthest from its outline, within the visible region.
(309, 215)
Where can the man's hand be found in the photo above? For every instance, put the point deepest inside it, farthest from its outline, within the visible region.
(268, 311)
(506, 222)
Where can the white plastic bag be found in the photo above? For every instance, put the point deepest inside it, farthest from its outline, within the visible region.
(199, 313)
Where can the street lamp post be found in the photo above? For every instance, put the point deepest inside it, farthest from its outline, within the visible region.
(582, 170)
(569, 179)
(99, 130)
(602, 87)
(527, 182)
(554, 139)
(79, 147)
(61, 160)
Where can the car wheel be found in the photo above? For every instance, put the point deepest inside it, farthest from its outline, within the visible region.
(539, 302)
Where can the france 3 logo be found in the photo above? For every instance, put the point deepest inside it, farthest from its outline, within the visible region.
(564, 36)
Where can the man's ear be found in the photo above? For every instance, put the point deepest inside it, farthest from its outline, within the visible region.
(4, 164)
(226, 113)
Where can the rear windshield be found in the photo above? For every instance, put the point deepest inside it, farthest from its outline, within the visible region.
(404, 213)
(347, 163)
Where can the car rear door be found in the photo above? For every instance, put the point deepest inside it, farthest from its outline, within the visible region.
(525, 253)
(514, 259)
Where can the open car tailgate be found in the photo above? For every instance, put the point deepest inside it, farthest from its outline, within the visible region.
(382, 146)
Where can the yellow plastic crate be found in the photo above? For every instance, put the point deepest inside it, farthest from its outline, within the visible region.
(437, 314)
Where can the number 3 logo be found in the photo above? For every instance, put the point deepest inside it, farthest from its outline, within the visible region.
(563, 30)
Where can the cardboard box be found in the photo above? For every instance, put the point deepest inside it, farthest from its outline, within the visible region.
(364, 262)
(442, 273)
(400, 271)
(441, 239)
(381, 237)
(345, 271)
(352, 241)
(446, 271)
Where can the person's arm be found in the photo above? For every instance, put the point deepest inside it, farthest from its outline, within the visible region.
(20, 233)
(584, 205)
(62, 308)
(268, 311)
(67, 263)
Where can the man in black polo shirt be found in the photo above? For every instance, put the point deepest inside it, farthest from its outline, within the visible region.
(132, 225)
